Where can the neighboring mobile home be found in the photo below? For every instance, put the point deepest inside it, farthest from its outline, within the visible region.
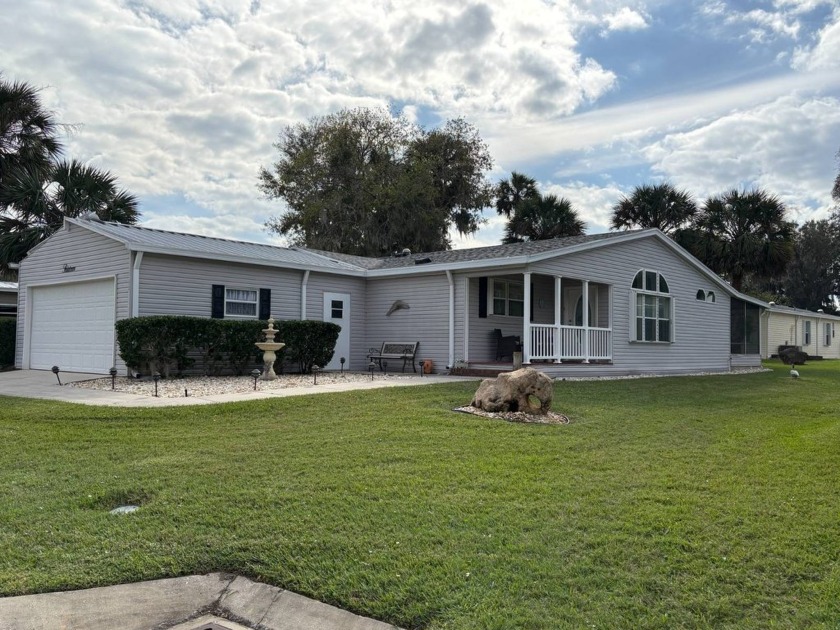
(616, 303)
(813, 332)
(8, 298)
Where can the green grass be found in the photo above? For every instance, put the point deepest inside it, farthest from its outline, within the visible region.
(675, 502)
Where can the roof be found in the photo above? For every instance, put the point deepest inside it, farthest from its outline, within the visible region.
(143, 239)
(474, 254)
(8, 286)
(799, 312)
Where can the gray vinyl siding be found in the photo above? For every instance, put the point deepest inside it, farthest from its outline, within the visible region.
(92, 255)
(426, 320)
(320, 283)
(701, 329)
(174, 285)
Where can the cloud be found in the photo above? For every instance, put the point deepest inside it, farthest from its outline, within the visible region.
(825, 53)
(786, 146)
(625, 19)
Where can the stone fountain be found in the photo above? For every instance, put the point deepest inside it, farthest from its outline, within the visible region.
(269, 348)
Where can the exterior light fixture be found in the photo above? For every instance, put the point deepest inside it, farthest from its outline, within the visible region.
(385, 367)
(56, 370)
(255, 374)
(113, 373)
(342, 360)
(371, 368)
(156, 377)
(315, 370)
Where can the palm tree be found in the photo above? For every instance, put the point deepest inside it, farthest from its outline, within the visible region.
(510, 193)
(541, 218)
(658, 206)
(36, 190)
(743, 232)
(27, 130)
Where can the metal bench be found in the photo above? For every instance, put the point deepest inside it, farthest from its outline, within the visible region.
(397, 351)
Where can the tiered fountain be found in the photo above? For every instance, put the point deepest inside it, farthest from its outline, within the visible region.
(269, 348)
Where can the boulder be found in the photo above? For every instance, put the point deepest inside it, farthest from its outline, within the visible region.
(793, 356)
(513, 391)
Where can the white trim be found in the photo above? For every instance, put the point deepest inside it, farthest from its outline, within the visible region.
(584, 307)
(303, 286)
(526, 317)
(451, 319)
(256, 302)
(135, 285)
(466, 319)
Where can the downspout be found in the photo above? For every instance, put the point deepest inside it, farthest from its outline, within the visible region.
(303, 284)
(451, 320)
(135, 285)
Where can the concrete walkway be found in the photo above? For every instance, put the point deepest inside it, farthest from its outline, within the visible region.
(43, 384)
(187, 603)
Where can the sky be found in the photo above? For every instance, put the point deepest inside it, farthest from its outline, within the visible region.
(183, 101)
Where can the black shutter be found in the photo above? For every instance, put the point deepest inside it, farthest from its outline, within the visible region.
(265, 303)
(532, 301)
(217, 303)
(482, 297)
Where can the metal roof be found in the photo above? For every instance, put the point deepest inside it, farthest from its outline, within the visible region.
(802, 312)
(143, 239)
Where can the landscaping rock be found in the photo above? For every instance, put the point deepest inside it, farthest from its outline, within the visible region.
(513, 391)
(793, 356)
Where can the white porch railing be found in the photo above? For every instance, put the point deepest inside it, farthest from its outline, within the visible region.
(555, 343)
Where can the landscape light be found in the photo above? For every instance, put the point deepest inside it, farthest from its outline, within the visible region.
(156, 377)
(255, 374)
(371, 368)
(56, 370)
(315, 370)
(342, 360)
(113, 373)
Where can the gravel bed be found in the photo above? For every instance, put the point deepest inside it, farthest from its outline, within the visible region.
(550, 417)
(212, 385)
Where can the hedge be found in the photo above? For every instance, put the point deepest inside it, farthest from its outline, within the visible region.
(167, 343)
(8, 329)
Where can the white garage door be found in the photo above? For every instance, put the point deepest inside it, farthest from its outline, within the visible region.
(73, 327)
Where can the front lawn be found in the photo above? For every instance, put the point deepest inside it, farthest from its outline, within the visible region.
(673, 502)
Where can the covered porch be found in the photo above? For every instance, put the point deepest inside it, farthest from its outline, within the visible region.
(556, 319)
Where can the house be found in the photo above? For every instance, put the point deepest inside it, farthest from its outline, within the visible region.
(813, 332)
(616, 303)
(8, 298)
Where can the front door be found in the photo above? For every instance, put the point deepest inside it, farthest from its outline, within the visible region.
(337, 311)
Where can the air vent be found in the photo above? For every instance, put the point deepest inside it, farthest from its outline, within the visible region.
(422, 261)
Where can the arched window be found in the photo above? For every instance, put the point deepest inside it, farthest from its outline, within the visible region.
(654, 317)
(710, 296)
(701, 295)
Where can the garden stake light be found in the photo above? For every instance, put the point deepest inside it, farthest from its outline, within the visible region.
(56, 370)
(385, 367)
(315, 370)
(342, 360)
(371, 368)
(156, 376)
(113, 373)
(255, 374)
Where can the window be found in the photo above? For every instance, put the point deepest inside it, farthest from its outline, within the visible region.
(806, 334)
(337, 309)
(508, 298)
(705, 296)
(241, 303)
(653, 308)
(828, 333)
(744, 328)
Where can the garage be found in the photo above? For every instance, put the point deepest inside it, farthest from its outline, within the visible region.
(72, 326)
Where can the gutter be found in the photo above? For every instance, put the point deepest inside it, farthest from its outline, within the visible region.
(451, 359)
(303, 286)
(135, 285)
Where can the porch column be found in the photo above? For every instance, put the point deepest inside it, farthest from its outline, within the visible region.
(526, 320)
(585, 309)
(467, 319)
(558, 317)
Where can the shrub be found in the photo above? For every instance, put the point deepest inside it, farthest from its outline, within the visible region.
(308, 342)
(8, 328)
(163, 343)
